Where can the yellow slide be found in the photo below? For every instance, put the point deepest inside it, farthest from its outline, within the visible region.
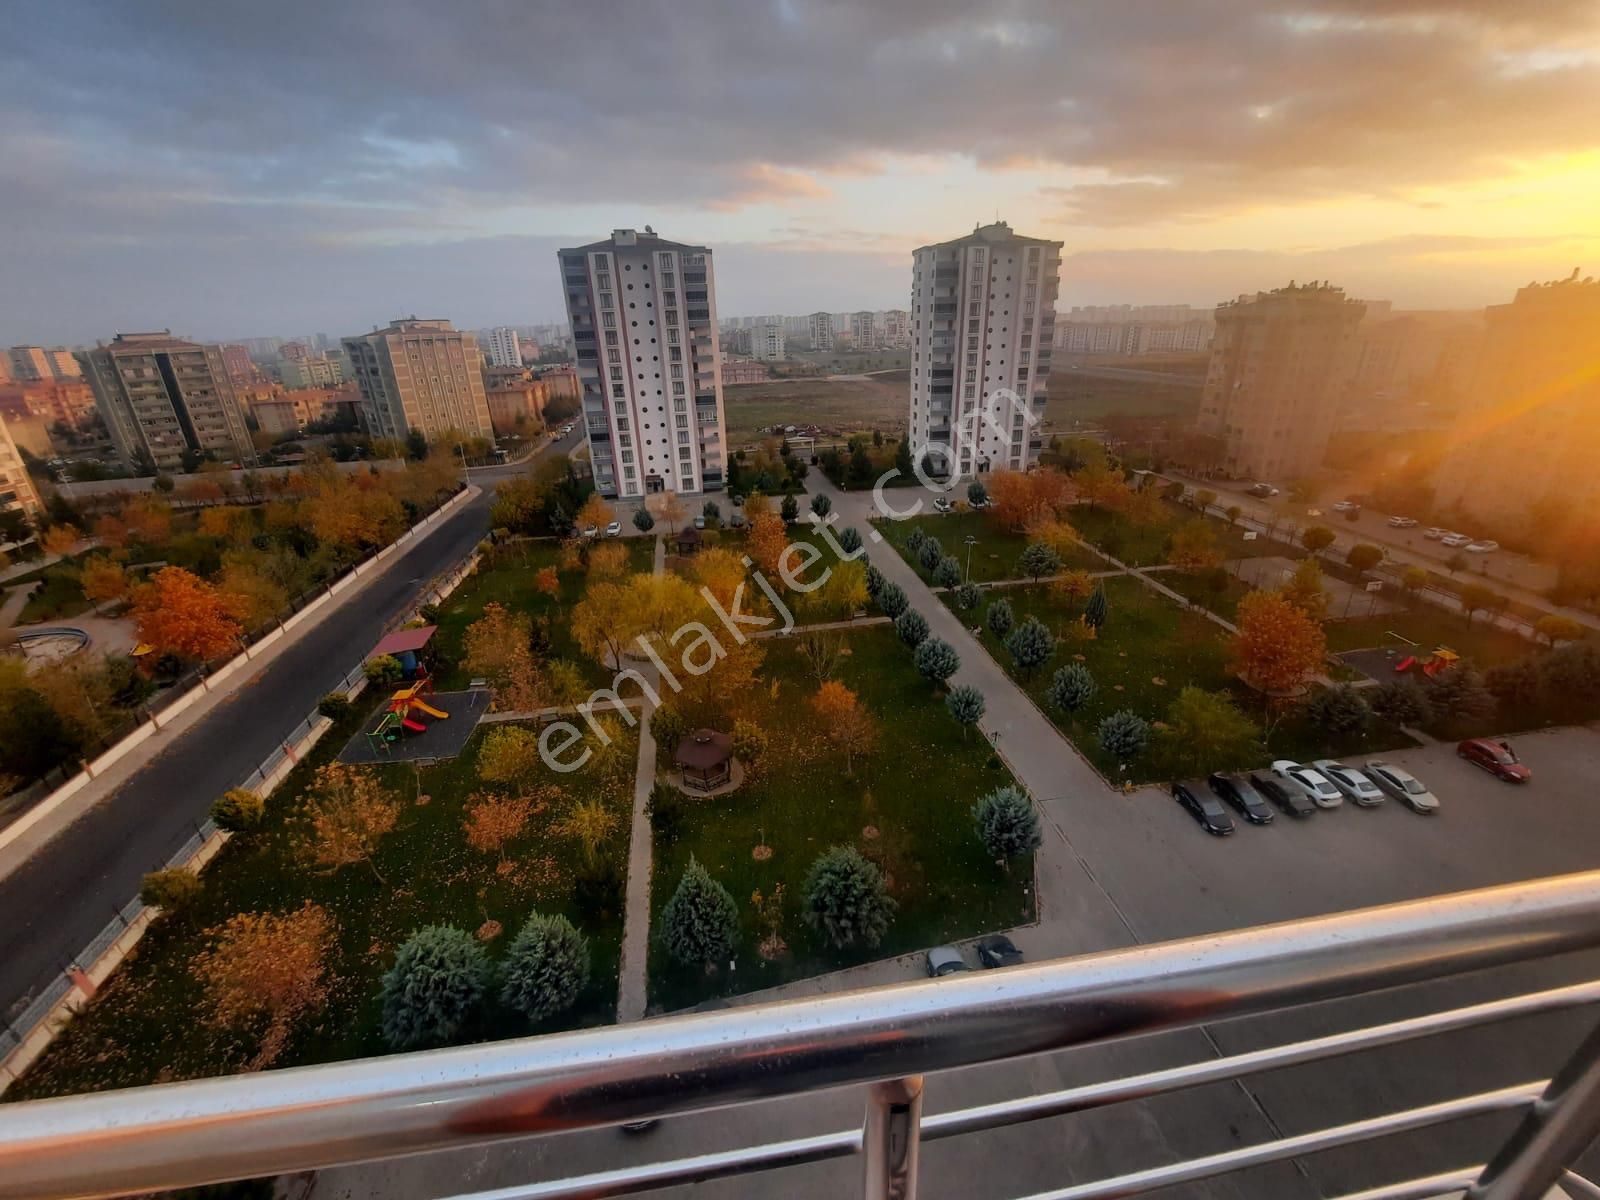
(428, 708)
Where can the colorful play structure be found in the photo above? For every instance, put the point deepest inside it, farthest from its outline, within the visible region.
(1442, 659)
(400, 716)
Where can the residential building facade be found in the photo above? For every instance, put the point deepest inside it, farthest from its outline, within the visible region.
(644, 320)
(504, 349)
(820, 327)
(29, 363)
(319, 372)
(17, 492)
(982, 317)
(863, 330)
(420, 374)
(743, 370)
(1278, 370)
(896, 329)
(163, 398)
(516, 400)
(767, 340)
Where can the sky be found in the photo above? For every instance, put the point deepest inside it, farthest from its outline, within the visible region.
(231, 170)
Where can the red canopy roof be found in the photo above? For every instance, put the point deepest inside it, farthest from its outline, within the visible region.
(404, 640)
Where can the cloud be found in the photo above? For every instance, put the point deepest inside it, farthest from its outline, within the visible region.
(763, 183)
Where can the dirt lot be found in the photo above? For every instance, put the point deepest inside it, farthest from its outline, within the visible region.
(849, 405)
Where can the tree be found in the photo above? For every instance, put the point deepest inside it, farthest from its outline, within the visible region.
(847, 900)
(498, 646)
(1553, 628)
(912, 627)
(966, 704)
(548, 580)
(1038, 560)
(181, 614)
(976, 493)
(1475, 597)
(1204, 498)
(60, 539)
(700, 923)
(171, 889)
(931, 554)
(789, 510)
(845, 721)
(510, 755)
(346, 815)
(253, 595)
(262, 972)
(435, 989)
(1459, 696)
(595, 513)
(1101, 486)
(102, 579)
(849, 539)
(1340, 709)
(967, 596)
(1071, 687)
(1008, 824)
(1456, 562)
(605, 560)
(1124, 735)
(902, 458)
(492, 821)
(1401, 702)
(643, 521)
(936, 660)
(1317, 538)
(892, 600)
(1030, 645)
(821, 504)
(1413, 580)
(1193, 546)
(749, 745)
(1304, 589)
(1570, 677)
(546, 967)
(1205, 731)
(916, 540)
(948, 573)
(1233, 512)
(238, 810)
(1278, 646)
(1363, 556)
(874, 581)
(823, 652)
(998, 617)
(767, 542)
(1096, 611)
(588, 822)
(673, 511)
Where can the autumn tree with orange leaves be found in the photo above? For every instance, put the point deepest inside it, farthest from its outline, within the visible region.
(1101, 486)
(102, 580)
(348, 813)
(1278, 646)
(497, 647)
(547, 581)
(1017, 499)
(767, 542)
(179, 613)
(60, 539)
(492, 821)
(846, 722)
(595, 513)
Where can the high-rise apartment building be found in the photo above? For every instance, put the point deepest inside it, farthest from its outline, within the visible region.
(1526, 439)
(29, 363)
(319, 372)
(820, 327)
(420, 374)
(766, 339)
(863, 331)
(982, 316)
(162, 398)
(504, 348)
(896, 329)
(1279, 364)
(17, 493)
(644, 319)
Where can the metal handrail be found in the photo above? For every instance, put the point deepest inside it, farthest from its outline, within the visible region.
(278, 1121)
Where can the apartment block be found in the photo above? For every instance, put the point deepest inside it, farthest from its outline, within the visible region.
(644, 320)
(982, 319)
(820, 327)
(162, 398)
(767, 340)
(29, 363)
(504, 349)
(896, 329)
(863, 330)
(318, 372)
(516, 400)
(17, 492)
(1279, 366)
(420, 374)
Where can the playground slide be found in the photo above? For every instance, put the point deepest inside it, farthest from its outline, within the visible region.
(429, 709)
(414, 726)
(1406, 663)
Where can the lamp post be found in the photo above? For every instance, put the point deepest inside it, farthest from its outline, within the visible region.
(971, 542)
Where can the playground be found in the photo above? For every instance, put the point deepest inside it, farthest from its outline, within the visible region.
(415, 723)
(1400, 658)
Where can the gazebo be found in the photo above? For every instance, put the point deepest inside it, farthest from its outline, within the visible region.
(704, 757)
(688, 540)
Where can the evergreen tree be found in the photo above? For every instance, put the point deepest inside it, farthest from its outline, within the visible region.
(1402, 702)
(821, 504)
(948, 573)
(892, 600)
(1459, 696)
(912, 627)
(846, 899)
(902, 458)
(977, 493)
(643, 521)
(967, 596)
(1030, 645)
(936, 660)
(1094, 613)
(435, 988)
(700, 924)
(1071, 687)
(789, 510)
(999, 617)
(1008, 823)
(916, 540)
(1340, 709)
(1039, 559)
(546, 968)
(930, 554)
(875, 581)
(1124, 735)
(966, 705)
(860, 467)
(849, 539)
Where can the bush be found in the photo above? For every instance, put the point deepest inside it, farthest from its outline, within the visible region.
(668, 726)
(936, 660)
(546, 968)
(1516, 685)
(383, 670)
(1030, 645)
(597, 890)
(643, 520)
(665, 809)
(915, 541)
(846, 899)
(967, 597)
(875, 581)
(821, 504)
(749, 744)
(1340, 709)
(999, 617)
(1071, 687)
(238, 810)
(700, 923)
(1124, 735)
(171, 890)
(1402, 702)
(1571, 675)
(429, 614)
(435, 989)
(335, 706)
(912, 627)
(1459, 697)
(930, 554)
(850, 540)
(948, 573)
(966, 704)
(892, 600)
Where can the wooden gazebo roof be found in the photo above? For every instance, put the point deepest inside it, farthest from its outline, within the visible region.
(703, 749)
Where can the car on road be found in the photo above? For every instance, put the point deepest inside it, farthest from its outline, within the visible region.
(941, 505)
(1213, 818)
(997, 950)
(1355, 786)
(1435, 533)
(1403, 786)
(1402, 522)
(700, 521)
(1345, 506)
(591, 531)
(1456, 539)
(1310, 781)
(1291, 801)
(1495, 756)
(1263, 490)
(614, 529)
(1487, 546)
(738, 501)
(1241, 797)
(945, 960)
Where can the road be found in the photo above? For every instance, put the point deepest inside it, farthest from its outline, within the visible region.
(64, 895)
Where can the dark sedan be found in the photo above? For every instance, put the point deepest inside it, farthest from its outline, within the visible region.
(997, 950)
(1496, 757)
(1241, 797)
(1213, 818)
(1291, 801)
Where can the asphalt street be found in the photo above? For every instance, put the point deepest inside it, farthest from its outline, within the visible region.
(64, 895)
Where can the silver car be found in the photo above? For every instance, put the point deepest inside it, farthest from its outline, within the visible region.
(1310, 781)
(1355, 786)
(1403, 786)
(945, 960)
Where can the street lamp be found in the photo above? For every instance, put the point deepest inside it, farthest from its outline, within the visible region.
(971, 542)
(466, 471)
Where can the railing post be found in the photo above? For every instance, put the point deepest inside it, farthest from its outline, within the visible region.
(892, 1138)
(1556, 1130)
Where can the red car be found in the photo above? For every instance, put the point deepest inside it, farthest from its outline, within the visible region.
(1495, 757)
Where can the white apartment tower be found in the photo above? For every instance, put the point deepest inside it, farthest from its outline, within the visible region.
(644, 320)
(821, 327)
(896, 329)
(982, 318)
(862, 332)
(766, 339)
(504, 348)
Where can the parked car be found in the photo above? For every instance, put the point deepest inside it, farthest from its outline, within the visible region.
(1487, 546)
(1344, 506)
(590, 531)
(700, 522)
(1213, 818)
(941, 505)
(1403, 786)
(738, 501)
(1309, 780)
(1456, 539)
(1263, 490)
(1291, 801)
(1241, 797)
(1402, 522)
(945, 960)
(997, 950)
(1352, 783)
(614, 529)
(1435, 534)
(1495, 756)
(984, 503)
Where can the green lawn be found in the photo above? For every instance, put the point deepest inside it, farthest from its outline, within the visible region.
(146, 1025)
(1481, 644)
(60, 596)
(914, 794)
(994, 553)
(1197, 588)
(1146, 545)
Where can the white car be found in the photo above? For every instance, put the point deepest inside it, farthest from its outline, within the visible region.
(614, 529)
(1351, 782)
(984, 503)
(1344, 506)
(1310, 781)
(1487, 546)
(1456, 539)
(941, 505)
(589, 531)
(1434, 533)
(1402, 522)
(1403, 786)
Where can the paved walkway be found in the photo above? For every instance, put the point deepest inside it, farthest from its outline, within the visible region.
(633, 974)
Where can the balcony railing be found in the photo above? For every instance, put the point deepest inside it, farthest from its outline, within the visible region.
(883, 1039)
